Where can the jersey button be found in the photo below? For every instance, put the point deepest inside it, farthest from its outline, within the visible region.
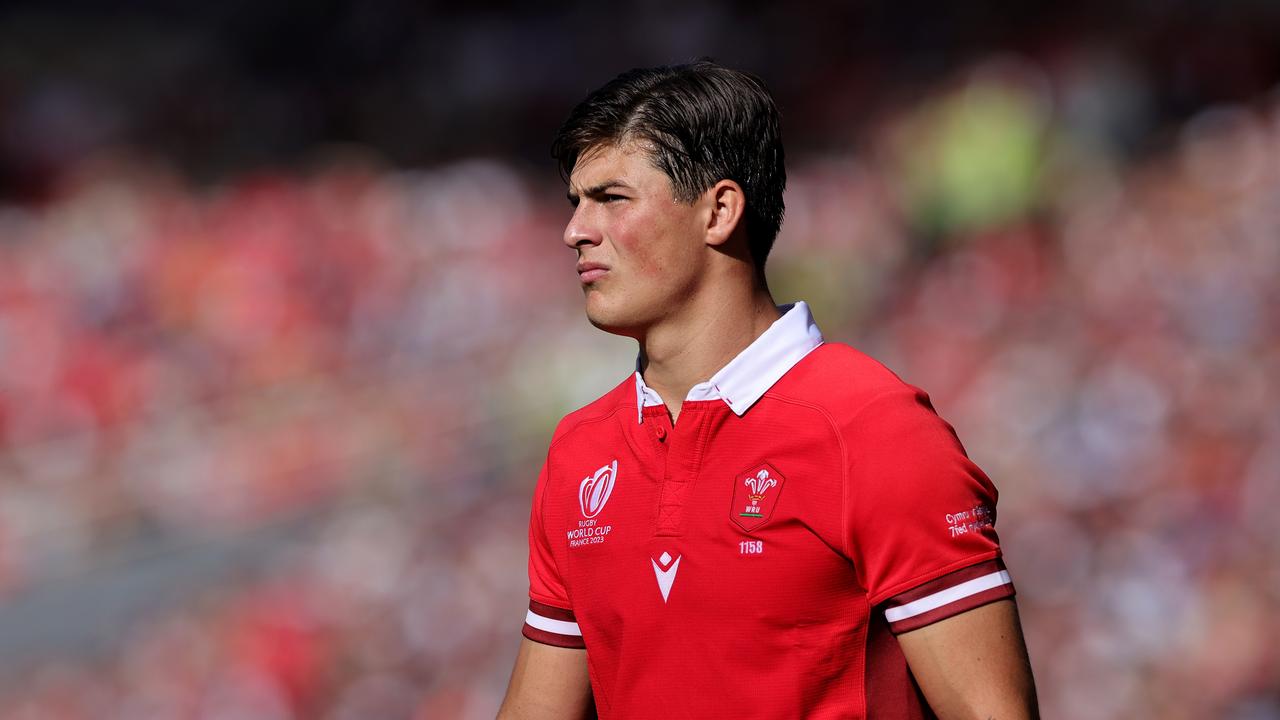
(661, 432)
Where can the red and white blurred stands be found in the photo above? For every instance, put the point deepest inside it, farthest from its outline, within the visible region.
(266, 450)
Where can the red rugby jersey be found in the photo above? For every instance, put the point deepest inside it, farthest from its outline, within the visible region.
(755, 559)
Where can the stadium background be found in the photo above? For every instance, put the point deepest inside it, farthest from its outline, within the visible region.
(285, 324)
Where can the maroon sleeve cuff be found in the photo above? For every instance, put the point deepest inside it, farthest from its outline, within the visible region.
(551, 625)
(951, 594)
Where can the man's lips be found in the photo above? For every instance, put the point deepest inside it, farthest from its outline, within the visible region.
(590, 272)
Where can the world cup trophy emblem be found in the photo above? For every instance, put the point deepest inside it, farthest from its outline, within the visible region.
(755, 495)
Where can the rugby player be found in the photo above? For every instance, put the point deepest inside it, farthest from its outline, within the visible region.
(756, 523)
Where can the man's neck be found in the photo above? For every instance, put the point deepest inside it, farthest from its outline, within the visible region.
(689, 348)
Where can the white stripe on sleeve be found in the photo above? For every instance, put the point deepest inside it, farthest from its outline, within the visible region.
(945, 597)
(559, 627)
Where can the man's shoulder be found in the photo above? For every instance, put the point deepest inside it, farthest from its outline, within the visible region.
(620, 399)
(841, 380)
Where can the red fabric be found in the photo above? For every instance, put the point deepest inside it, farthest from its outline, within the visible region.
(909, 474)
(770, 622)
(892, 693)
(545, 585)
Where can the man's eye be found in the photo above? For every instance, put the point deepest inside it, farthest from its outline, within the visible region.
(610, 198)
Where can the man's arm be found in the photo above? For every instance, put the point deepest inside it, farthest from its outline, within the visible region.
(974, 665)
(548, 683)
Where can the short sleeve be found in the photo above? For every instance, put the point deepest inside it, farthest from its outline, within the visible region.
(550, 618)
(919, 515)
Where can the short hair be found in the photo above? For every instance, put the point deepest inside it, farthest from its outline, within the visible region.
(704, 123)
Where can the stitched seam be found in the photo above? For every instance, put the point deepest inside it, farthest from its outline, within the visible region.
(587, 421)
(564, 580)
(848, 507)
(542, 507)
(844, 462)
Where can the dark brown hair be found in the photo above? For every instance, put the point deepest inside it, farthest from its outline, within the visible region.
(704, 123)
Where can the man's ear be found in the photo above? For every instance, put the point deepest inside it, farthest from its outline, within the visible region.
(727, 203)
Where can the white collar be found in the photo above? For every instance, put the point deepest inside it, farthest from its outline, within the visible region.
(749, 375)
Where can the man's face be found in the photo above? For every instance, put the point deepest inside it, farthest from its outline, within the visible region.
(641, 252)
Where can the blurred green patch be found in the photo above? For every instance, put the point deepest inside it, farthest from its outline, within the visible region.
(974, 158)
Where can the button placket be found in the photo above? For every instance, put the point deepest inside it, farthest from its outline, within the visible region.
(680, 467)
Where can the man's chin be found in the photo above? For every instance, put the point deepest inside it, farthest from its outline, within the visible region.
(613, 322)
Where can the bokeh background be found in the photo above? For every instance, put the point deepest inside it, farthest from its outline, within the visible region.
(286, 323)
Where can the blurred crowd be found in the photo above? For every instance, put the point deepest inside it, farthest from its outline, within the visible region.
(371, 359)
(214, 88)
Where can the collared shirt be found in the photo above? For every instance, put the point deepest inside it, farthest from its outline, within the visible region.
(753, 371)
(756, 558)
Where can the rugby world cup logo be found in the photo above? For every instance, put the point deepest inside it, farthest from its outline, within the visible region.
(595, 490)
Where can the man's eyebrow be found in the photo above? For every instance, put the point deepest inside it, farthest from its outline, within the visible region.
(598, 188)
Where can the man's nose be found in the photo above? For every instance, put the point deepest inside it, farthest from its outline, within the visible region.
(581, 232)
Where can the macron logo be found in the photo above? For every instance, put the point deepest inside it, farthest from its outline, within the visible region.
(664, 568)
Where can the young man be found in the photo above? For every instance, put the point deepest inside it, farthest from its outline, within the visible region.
(756, 524)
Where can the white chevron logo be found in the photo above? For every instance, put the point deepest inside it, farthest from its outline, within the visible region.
(665, 576)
